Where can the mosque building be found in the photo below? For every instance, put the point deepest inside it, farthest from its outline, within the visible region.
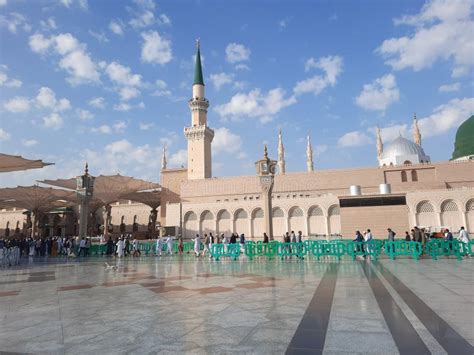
(406, 189)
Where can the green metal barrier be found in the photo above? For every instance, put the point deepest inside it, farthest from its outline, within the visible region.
(332, 248)
(253, 249)
(355, 249)
(436, 247)
(292, 249)
(225, 250)
(403, 248)
(470, 248)
(373, 248)
(145, 247)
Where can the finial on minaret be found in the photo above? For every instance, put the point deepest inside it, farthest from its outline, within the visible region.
(309, 154)
(198, 43)
(163, 159)
(265, 152)
(86, 170)
(416, 131)
(281, 154)
(379, 144)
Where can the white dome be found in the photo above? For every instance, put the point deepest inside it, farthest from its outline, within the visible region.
(402, 150)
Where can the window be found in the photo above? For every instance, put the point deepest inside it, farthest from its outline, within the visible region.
(404, 176)
(407, 162)
(414, 175)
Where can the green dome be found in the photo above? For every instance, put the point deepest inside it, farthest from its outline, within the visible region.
(464, 144)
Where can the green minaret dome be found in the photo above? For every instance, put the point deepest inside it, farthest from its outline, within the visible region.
(464, 144)
(198, 79)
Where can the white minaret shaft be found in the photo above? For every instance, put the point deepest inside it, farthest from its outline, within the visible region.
(309, 154)
(379, 144)
(416, 131)
(281, 154)
(163, 159)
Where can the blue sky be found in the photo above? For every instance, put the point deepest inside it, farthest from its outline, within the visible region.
(108, 81)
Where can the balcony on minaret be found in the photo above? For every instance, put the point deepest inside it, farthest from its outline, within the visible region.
(198, 107)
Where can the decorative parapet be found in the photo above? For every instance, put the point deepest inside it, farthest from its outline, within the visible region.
(198, 104)
(198, 132)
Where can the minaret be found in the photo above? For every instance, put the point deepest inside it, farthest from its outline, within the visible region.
(379, 144)
(416, 131)
(309, 155)
(163, 159)
(281, 154)
(199, 135)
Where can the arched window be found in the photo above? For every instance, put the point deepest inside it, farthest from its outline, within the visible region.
(414, 175)
(404, 176)
(407, 162)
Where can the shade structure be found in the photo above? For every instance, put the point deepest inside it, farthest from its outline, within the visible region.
(108, 188)
(150, 198)
(36, 199)
(9, 163)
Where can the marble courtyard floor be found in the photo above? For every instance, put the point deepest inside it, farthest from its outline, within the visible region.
(183, 305)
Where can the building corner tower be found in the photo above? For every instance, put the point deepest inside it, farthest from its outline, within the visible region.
(199, 135)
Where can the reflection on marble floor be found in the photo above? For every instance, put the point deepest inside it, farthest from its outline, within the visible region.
(184, 305)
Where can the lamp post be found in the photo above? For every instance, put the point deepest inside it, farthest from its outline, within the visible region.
(84, 191)
(266, 172)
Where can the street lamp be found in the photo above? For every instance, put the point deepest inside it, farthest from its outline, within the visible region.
(84, 191)
(266, 171)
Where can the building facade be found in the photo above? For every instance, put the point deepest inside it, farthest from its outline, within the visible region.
(405, 190)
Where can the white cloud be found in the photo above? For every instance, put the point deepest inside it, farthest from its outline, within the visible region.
(4, 135)
(3, 2)
(236, 53)
(120, 126)
(49, 24)
(332, 68)
(442, 30)
(221, 79)
(226, 142)
(97, 102)
(354, 139)
(144, 19)
(180, 158)
(255, 105)
(145, 126)
(164, 20)
(155, 49)
(6, 81)
(83, 4)
(320, 149)
(128, 93)
(100, 36)
(74, 58)
(379, 94)
(103, 129)
(122, 75)
(162, 89)
(116, 27)
(54, 121)
(29, 142)
(450, 87)
(446, 117)
(17, 104)
(122, 107)
(84, 115)
(46, 98)
(39, 43)
(15, 21)
(242, 66)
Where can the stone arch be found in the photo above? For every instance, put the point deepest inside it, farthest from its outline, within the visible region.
(190, 225)
(425, 214)
(258, 222)
(278, 219)
(207, 222)
(241, 222)
(334, 219)
(296, 219)
(224, 222)
(414, 175)
(316, 221)
(451, 215)
(470, 215)
(7, 229)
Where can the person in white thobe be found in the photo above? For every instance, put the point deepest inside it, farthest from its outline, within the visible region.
(120, 248)
(197, 245)
(368, 240)
(463, 236)
(169, 241)
(158, 247)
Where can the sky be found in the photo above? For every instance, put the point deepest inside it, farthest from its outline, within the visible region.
(108, 82)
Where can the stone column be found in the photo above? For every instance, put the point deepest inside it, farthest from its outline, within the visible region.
(83, 214)
(106, 215)
(33, 223)
(266, 182)
(306, 226)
